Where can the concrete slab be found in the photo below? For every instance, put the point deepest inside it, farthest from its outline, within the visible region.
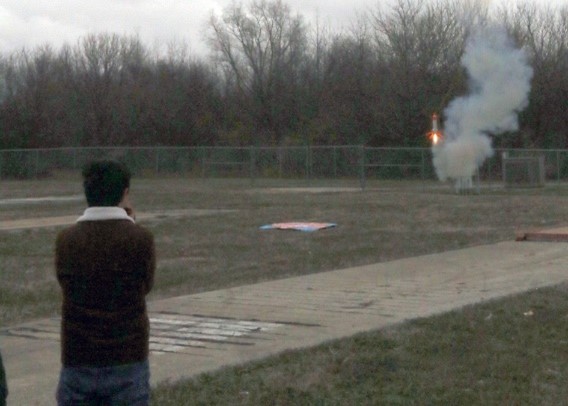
(203, 332)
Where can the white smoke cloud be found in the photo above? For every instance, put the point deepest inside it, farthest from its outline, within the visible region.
(499, 78)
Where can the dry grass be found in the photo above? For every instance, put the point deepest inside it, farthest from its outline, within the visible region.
(197, 253)
(464, 357)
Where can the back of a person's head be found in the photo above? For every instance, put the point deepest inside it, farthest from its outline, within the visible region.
(104, 182)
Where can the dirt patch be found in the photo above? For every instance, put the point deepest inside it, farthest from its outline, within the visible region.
(47, 199)
(68, 220)
(311, 190)
(37, 222)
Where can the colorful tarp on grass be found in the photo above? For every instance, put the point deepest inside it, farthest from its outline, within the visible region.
(298, 226)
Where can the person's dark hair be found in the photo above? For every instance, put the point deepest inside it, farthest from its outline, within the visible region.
(104, 182)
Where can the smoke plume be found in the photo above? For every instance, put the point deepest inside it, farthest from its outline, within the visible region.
(499, 84)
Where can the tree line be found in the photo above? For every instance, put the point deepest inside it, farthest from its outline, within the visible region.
(272, 78)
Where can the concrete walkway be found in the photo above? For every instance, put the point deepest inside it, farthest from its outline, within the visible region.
(204, 332)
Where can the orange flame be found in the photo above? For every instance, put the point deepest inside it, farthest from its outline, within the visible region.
(435, 137)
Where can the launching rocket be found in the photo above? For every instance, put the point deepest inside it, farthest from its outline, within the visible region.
(435, 135)
(434, 123)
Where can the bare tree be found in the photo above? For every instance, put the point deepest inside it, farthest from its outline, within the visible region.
(275, 80)
(348, 98)
(34, 96)
(97, 58)
(421, 44)
(260, 48)
(543, 32)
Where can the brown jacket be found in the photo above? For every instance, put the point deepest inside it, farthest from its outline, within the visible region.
(105, 269)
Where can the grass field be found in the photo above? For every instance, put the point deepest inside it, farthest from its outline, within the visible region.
(458, 358)
(489, 354)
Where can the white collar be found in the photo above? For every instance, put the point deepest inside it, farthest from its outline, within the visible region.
(104, 213)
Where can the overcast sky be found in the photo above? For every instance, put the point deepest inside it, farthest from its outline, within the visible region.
(29, 23)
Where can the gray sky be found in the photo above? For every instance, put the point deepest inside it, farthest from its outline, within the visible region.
(29, 23)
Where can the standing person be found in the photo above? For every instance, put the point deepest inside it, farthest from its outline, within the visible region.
(3, 384)
(105, 266)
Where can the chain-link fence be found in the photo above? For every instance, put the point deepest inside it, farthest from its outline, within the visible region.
(309, 162)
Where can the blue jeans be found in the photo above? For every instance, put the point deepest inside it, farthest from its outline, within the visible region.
(127, 384)
(3, 385)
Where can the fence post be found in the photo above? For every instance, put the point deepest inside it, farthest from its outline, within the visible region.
(307, 162)
(251, 166)
(362, 167)
(36, 165)
(280, 156)
(201, 155)
(334, 162)
(557, 166)
(422, 168)
(157, 160)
